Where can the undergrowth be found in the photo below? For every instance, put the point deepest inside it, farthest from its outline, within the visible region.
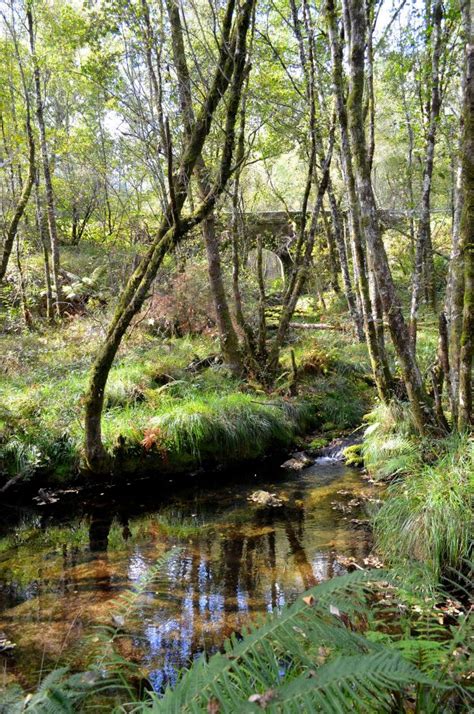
(157, 410)
(425, 521)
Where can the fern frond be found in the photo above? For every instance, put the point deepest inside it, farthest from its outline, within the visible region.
(347, 684)
(260, 658)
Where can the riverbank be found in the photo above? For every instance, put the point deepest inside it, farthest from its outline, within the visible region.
(171, 407)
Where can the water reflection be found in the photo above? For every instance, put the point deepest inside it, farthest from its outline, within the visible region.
(58, 579)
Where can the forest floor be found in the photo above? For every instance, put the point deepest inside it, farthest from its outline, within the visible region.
(163, 406)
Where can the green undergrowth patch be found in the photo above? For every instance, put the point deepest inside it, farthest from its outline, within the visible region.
(42, 386)
(424, 525)
(334, 373)
(158, 410)
(218, 427)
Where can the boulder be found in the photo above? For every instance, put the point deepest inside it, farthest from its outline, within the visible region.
(299, 460)
(265, 499)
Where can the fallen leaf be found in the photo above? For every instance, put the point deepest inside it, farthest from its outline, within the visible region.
(213, 706)
(262, 699)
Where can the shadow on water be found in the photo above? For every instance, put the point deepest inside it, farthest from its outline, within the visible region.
(60, 572)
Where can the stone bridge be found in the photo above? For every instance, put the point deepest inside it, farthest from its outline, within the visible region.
(279, 228)
(279, 222)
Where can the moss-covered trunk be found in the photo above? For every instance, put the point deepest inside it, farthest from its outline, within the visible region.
(467, 225)
(421, 405)
(229, 73)
(379, 365)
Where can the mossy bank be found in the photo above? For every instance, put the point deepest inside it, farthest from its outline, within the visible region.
(168, 407)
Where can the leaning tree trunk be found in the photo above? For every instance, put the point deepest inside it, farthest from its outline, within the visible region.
(51, 213)
(22, 202)
(229, 73)
(423, 413)
(423, 274)
(467, 226)
(227, 335)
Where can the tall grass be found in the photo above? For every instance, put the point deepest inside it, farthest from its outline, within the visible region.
(391, 446)
(427, 516)
(425, 522)
(233, 426)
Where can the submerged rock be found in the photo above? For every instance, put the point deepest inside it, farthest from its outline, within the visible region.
(299, 460)
(6, 647)
(265, 499)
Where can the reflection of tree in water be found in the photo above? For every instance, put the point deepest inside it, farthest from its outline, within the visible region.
(101, 519)
(232, 549)
(244, 556)
(295, 533)
(99, 528)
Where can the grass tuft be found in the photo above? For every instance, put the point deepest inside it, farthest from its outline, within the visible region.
(390, 444)
(229, 427)
(425, 522)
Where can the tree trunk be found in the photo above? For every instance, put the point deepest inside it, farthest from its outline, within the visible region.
(467, 226)
(331, 246)
(377, 311)
(422, 410)
(382, 379)
(344, 263)
(21, 205)
(24, 302)
(455, 290)
(423, 275)
(227, 336)
(410, 170)
(40, 227)
(262, 326)
(53, 233)
(229, 73)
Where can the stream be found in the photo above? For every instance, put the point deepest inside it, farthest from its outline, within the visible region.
(228, 560)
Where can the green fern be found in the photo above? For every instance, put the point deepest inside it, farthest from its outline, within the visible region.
(58, 693)
(335, 650)
(316, 656)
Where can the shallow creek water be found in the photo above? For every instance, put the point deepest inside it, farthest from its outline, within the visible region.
(229, 561)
